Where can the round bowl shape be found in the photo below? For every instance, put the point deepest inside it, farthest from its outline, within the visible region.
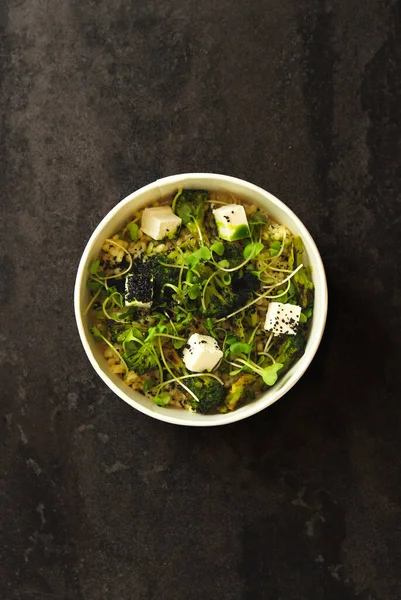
(120, 214)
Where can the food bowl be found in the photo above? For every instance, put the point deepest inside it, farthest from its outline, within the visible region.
(122, 213)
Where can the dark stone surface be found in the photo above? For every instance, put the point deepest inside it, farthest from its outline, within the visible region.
(301, 502)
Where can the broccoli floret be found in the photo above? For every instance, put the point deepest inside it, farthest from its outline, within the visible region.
(209, 392)
(141, 360)
(242, 390)
(115, 329)
(244, 287)
(191, 207)
(291, 349)
(232, 253)
(238, 326)
(303, 285)
(222, 300)
(162, 275)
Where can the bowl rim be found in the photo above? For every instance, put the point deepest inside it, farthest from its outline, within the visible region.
(302, 364)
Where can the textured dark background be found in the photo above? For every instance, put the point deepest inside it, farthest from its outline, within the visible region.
(97, 501)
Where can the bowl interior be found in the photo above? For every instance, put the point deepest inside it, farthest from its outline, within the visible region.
(121, 213)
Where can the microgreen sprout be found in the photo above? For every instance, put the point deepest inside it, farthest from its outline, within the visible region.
(260, 297)
(174, 377)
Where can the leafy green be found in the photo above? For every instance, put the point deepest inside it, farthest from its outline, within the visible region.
(194, 291)
(191, 260)
(217, 247)
(93, 269)
(93, 285)
(162, 399)
(253, 249)
(96, 333)
(240, 348)
(191, 207)
(258, 218)
(148, 384)
(270, 374)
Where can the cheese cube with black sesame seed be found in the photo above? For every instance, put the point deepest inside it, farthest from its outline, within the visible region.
(139, 290)
(202, 353)
(282, 318)
(232, 223)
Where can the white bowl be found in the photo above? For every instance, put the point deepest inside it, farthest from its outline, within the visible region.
(120, 214)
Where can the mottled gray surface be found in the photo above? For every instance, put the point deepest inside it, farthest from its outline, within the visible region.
(97, 501)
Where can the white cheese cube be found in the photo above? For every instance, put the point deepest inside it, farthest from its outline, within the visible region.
(159, 222)
(202, 353)
(282, 318)
(138, 290)
(231, 222)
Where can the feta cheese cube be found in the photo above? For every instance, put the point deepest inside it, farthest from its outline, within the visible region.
(282, 318)
(138, 290)
(202, 353)
(159, 222)
(231, 222)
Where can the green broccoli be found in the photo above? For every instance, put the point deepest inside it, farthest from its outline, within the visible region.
(209, 392)
(162, 275)
(289, 350)
(191, 207)
(142, 359)
(115, 330)
(238, 326)
(303, 285)
(243, 286)
(242, 390)
(221, 300)
(233, 254)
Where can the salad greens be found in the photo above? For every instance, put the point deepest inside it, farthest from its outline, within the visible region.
(205, 285)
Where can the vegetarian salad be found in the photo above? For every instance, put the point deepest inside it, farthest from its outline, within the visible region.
(201, 301)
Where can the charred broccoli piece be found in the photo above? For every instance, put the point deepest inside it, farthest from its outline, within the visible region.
(241, 391)
(116, 330)
(238, 326)
(141, 360)
(303, 285)
(244, 286)
(289, 350)
(222, 299)
(209, 391)
(161, 276)
(232, 253)
(191, 207)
